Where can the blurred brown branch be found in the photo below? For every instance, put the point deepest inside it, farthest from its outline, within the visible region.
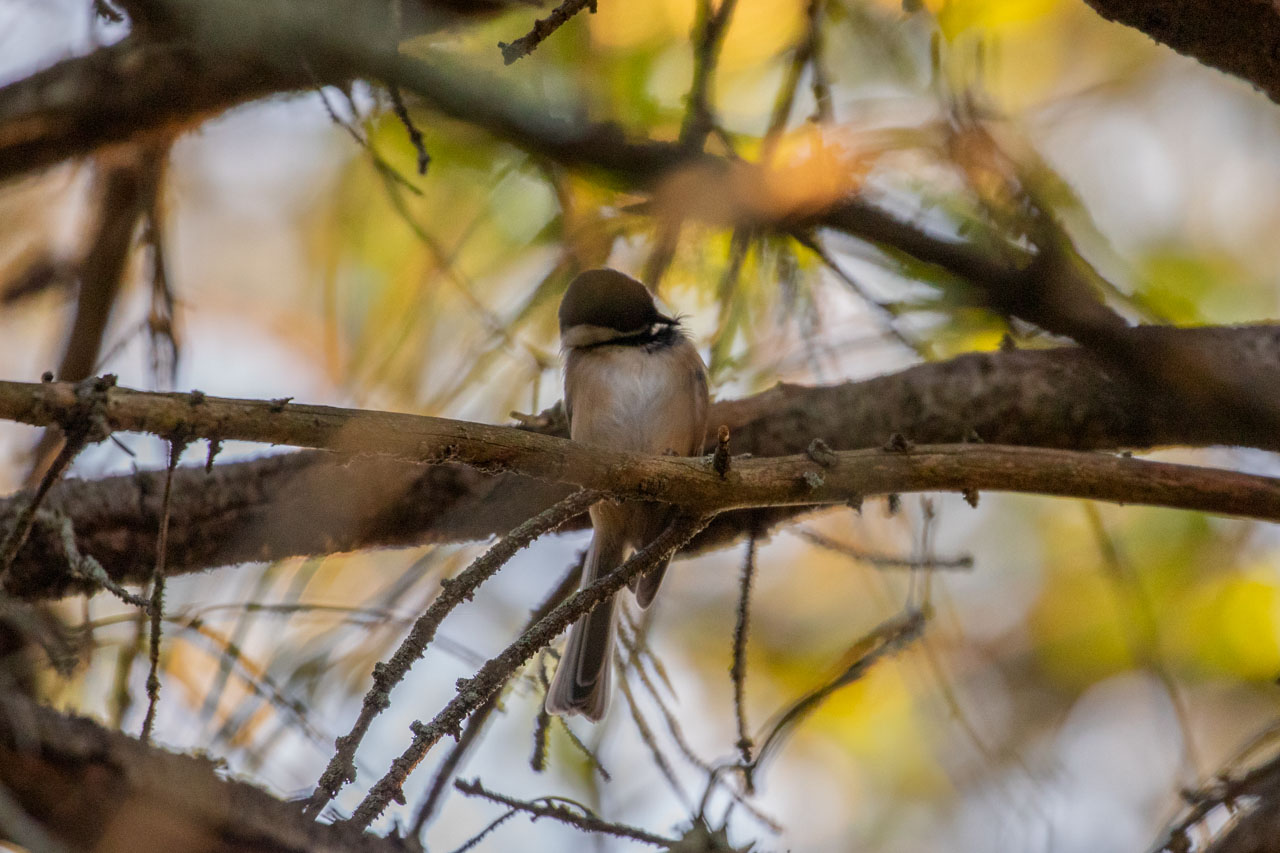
(129, 179)
(315, 503)
(95, 789)
(230, 51)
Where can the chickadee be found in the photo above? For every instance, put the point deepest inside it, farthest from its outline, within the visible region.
(632, 381)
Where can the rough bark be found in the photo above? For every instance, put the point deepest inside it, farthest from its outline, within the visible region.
(315, 503)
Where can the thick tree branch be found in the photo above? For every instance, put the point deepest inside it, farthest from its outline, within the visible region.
(313, 503)
(793, 481)
(95, 789)
(690, 483)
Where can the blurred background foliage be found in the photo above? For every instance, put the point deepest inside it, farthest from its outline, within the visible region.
(1091, 662)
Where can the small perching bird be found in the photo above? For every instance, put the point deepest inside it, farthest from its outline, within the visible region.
(632, 381)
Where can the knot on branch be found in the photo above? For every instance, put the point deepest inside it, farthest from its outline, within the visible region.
(898, 443)
(819, 451)
(86, 421)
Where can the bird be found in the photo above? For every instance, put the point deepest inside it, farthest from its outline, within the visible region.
(632, 381)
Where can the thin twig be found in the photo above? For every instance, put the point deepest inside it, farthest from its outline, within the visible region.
(482, 834)
(415, 135)
(82, 423)
(161, 319)
(820, 82)
(637, 654)
(386, 676)
(881, 561)
(709, 31)
(473, 692)
(1142, 628)
(884, 640)
(541, 735)
(738, 669)
(543, 27)
(585, 821)
(593, 760)
(86, 566)
(802, 54)
(651, 742)
(1225, 790)
(888, 312)
(470, 736)
(156, 606)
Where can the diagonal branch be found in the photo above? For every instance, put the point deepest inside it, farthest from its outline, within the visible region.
(386, 676)
(474, 692)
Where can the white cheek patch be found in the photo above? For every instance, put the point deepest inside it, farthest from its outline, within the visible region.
(585, 335)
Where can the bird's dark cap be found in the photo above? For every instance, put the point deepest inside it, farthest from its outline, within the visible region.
(610, 299)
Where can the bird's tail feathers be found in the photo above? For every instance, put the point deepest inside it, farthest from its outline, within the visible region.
(582, 680)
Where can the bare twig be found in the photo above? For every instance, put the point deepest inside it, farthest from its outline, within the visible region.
(1141, 627)
(647, 737)
(85, 565)
(543, 27)
(585, 820)
(811, 242)
(1226, 790)
(475, 725)
(738, 669)
(473, 692)
(81, 423)
(156, 606)
(882, 561)
(709, 31)
(415, 135)
(128, 180)
(161, 319)
(883, 641)
(632, 638)
(386, 676)
(593, 760)
(484, 833)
